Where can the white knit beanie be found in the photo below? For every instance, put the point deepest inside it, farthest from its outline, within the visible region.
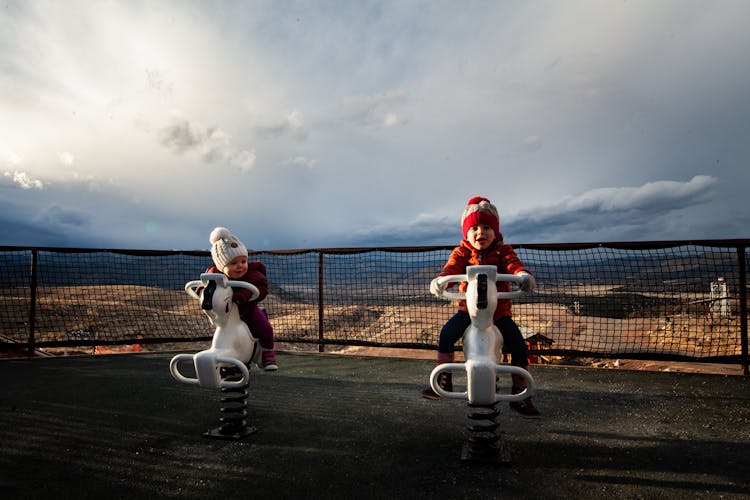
(224, 247)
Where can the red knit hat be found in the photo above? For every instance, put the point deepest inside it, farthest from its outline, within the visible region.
(479, 210)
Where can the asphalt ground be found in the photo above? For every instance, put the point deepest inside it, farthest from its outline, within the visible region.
(332, 426)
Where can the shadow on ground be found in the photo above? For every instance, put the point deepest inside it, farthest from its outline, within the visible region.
(355, 427)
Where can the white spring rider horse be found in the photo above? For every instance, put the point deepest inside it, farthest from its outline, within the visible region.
(225, 364)
(482, 341)
(482, 345)
(232, 344)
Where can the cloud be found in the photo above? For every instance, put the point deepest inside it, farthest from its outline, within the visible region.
(26, 233)
(365, 115)
(182, 136)
(66, 158)
(393, 120)
(23, 180)
(373, 110)
(244, 159)
(72, 214)
(299, 161)
(211, 145)
(650, 199)
(9, 158)
(426, 229)
(532, 143)
(27, 217)
(156, 81)
(292, 124)
(56, 216)
(609, 212)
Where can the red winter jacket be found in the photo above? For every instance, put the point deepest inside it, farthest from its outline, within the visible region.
(498, 254)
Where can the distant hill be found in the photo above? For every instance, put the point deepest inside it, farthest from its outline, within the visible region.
(678, 270)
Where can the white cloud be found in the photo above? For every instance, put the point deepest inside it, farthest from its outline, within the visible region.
(374, 109)
(66, 158)
(295, 120)
(393, 120)
(244, 159)
(24, 180)
(299, 161)
(9, 159)
(292, 124)
(532, 143)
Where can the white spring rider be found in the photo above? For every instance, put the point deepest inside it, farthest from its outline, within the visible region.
(225, 364)
(482, 345)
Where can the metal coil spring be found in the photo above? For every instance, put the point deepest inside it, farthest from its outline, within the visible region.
(483, 443)
(233, 403)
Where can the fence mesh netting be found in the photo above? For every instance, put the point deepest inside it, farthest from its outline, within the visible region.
(679, 300)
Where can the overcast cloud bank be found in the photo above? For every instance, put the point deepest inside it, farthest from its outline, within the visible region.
(297, 125)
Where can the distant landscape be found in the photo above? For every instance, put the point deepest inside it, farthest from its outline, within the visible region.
(619, 303)
(674, 326)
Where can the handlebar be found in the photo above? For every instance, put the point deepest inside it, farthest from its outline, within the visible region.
(458, 278)
(474, 392)
(191, 286)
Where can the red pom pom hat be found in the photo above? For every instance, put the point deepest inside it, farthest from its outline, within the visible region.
(478, 211)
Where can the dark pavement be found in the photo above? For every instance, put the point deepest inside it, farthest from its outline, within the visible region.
(353, 427)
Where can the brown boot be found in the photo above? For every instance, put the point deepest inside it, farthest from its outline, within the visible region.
(525, 407)
(444, 381)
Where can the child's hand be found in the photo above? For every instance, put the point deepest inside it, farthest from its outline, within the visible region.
(528, 284)
(436, 288)
(241, 295)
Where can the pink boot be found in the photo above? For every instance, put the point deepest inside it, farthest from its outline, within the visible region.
(444, 380)
(268, 359)
(526, 407)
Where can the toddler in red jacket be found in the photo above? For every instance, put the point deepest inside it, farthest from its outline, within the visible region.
(230, 258)
(483, 245)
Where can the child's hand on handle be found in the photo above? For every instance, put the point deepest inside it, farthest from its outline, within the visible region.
(241, 295)
(528, 284)
(436, 288)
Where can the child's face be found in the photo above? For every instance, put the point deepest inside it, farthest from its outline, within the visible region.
(480, 236)
(236, 267)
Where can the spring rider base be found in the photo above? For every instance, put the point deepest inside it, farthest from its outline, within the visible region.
(485, 445)
(233, 410)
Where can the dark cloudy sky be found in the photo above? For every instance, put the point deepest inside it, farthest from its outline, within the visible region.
(144, 124)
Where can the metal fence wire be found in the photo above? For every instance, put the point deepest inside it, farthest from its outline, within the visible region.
(654, 300)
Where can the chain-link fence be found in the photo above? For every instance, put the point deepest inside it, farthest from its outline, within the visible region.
(655, 300)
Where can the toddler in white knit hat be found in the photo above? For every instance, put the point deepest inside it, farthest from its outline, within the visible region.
(230, 258)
